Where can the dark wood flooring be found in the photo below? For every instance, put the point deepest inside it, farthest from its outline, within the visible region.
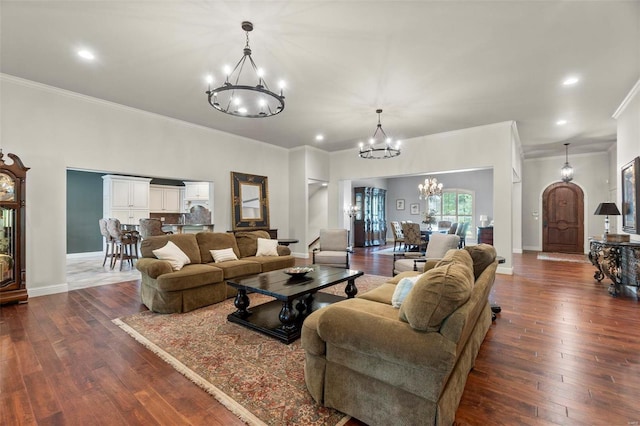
(562, 352)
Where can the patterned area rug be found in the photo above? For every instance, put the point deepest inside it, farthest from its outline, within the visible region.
(564, 257)
(258, 378)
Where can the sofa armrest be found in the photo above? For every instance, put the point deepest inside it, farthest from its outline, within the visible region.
(283, 250)
(153, 267)
(383, 338)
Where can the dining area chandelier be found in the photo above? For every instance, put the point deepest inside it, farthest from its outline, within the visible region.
(245, 93)
(380, 145)
(430, 188)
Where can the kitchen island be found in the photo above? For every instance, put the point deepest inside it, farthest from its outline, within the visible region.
(181, 228)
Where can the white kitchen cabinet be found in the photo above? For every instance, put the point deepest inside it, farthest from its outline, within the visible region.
(125, 198)
(196, 191)
(164, 199)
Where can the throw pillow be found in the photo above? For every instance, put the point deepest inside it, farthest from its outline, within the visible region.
(436, 295)
(403, 288)
(172, 253)
(267, 247)
(223, 255)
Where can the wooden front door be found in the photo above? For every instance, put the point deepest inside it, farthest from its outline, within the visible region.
(563, 218)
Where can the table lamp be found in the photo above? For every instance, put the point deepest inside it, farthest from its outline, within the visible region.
(606, 209)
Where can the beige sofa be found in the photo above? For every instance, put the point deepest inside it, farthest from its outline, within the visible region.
(405, 366)
(202, 281)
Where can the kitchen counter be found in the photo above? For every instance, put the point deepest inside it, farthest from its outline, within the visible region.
(180, 227)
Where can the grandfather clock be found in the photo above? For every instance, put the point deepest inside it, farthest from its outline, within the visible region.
(12, 230)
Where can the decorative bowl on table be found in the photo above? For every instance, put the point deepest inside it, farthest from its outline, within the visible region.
(298, 271)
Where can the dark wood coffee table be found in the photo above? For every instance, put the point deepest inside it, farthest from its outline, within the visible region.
(278, 318)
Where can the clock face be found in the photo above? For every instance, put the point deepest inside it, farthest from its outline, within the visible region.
(7, 188)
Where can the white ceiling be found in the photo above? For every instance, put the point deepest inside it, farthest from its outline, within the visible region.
(433, 66)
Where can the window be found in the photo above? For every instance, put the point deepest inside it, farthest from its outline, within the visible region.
(455, 205)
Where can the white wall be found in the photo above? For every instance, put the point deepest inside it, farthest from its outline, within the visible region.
(628, 121)
(52, 130)
(483, 147)
(591, 173)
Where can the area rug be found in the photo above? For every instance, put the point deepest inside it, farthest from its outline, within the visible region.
(564, 257)
(258, 378)
(389, 251)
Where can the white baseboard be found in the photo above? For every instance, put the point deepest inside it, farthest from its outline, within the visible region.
(517, 251)
(504, 270)
(532, 248)
(83, 255)
(45, 291)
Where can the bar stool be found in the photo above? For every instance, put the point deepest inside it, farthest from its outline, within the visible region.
(125, 243)
(108, 241)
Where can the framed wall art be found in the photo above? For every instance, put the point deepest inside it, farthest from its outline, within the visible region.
(249, 201)
(630, 195)
(415, 208)
(399, 204)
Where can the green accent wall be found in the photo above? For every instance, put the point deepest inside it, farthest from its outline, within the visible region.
(84, 209)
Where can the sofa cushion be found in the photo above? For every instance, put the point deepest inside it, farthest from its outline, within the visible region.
(247, 241)
(457, 256)
(482, 255)
(238, 268)
(172, 253)
(186, 242)
(267, 247)
(191, 276)
(380, 294)
(437, 294)
(271, 263)
(208, 241)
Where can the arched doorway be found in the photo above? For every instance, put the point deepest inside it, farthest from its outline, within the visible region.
(563, 218)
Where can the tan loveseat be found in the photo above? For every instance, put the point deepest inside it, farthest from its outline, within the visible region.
(406, 366)
(202, 281)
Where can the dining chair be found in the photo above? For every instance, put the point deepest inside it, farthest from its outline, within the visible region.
(413, 239)
(453, 227)
(461, 232)
(444, 224)
(398, 236)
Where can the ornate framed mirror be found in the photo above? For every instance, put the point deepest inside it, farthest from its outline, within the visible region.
(249, 201)
(12, 230)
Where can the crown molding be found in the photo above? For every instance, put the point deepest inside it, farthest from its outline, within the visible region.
(627, 100)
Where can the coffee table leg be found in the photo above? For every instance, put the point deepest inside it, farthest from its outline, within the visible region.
(241, 302)
(287, 316)
(351, 289)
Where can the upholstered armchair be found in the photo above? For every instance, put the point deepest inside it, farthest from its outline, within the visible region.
(334, 248)
(438, 246)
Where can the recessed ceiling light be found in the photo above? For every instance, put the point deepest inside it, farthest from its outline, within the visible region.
(561, 122)
(325, 184)
(570, 81)
(319, 137)
(86, 54)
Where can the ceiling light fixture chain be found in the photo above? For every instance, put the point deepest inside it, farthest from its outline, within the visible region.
(238, 96)
(566, 172)
(376, 151)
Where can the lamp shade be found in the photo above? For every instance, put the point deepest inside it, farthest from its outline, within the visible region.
(607, 209)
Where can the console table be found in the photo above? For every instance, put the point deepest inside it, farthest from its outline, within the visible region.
(620, 262)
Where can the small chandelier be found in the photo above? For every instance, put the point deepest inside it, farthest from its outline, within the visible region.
(351, 211)
(566, 172)
(430, 187)
(237, 97)
(376, 151)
